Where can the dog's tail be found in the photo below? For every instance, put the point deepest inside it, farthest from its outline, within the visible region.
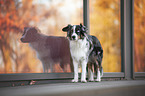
(101, 71)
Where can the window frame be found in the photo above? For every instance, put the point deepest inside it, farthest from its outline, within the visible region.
(127, 50)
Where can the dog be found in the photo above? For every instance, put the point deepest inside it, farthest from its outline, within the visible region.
(49, 49)
(85, 50)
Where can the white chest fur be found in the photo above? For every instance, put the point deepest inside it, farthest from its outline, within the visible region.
(79, 49)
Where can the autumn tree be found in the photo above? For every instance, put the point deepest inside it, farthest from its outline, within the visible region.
(18, 57)
(105, 24)
(139, 35)
(12, 21)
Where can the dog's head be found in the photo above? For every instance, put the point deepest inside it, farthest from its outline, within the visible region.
(29, 34)
(75, 32)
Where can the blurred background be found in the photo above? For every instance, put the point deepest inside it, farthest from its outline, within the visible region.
(50, 16)
(105, 24)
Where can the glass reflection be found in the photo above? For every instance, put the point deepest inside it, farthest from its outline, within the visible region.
(139, 34)
(105, 24)
(49, 16)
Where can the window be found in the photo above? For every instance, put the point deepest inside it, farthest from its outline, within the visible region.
(50, 16)
(105, 24)
(139, 34)
(110, 20)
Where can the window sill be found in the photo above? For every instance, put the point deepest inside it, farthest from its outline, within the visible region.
(104, 88)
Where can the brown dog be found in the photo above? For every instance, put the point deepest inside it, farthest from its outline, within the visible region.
(50, 49)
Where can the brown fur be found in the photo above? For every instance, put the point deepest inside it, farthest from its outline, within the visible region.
(50, 49)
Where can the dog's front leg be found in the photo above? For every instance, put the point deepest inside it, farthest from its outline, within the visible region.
(83, 75)
(75, 64)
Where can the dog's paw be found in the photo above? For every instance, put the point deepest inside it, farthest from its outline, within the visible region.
(83, 81)
(97, 80)
(74, 81)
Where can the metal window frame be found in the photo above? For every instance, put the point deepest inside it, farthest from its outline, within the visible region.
(127, 38)
(127, 52)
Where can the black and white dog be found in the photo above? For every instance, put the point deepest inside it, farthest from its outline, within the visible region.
(85, 50)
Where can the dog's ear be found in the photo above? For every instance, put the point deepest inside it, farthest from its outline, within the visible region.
(67, 28)
(24, 31)
(31, 30)
(83, 28)
(38, 30)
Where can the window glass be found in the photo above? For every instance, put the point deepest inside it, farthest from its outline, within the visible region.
(139, 35)
(105, 24)
(48, 17)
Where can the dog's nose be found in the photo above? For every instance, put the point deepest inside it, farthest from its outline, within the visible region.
(73, 37)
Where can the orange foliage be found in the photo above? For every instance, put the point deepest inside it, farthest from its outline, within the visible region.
(139, 34)
(18, 57)
(104, 23)
(12, 21)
